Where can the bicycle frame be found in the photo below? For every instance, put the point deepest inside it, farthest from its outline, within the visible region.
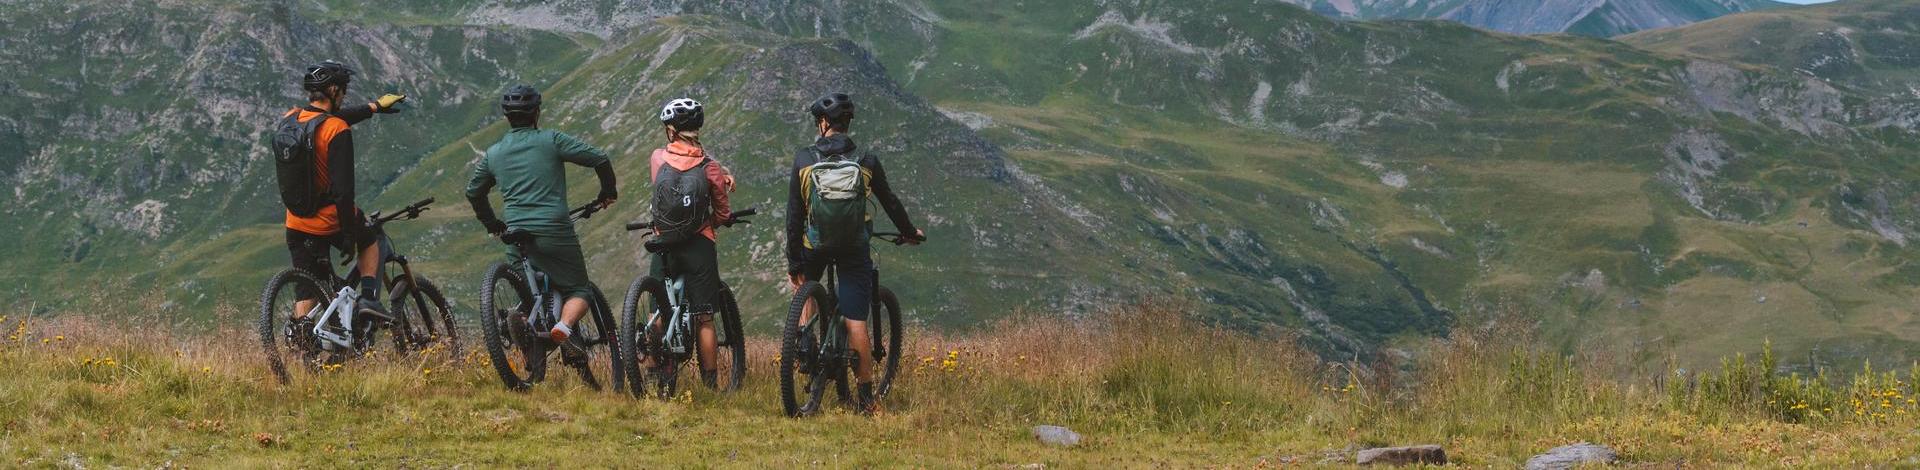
(545, 311)
(347, 298)
(342, 306)
(681, 320)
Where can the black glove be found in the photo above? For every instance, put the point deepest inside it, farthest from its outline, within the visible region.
(607, 196)
(494, 226)
(656, 246)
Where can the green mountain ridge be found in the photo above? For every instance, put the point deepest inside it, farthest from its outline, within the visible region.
(1354, 182)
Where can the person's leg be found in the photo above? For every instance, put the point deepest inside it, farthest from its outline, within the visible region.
(368, 270)
(309, 256)
(559, 257)
(700, 269)
(856, 291)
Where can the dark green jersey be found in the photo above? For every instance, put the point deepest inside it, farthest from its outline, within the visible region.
(526, 164)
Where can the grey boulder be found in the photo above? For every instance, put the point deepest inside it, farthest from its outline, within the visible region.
(1414, 455)
(1570, 456)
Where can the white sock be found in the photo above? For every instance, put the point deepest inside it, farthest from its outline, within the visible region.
(562, 326)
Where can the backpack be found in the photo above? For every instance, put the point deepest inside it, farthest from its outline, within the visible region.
(295, 163)
(837, 203)
(680, 201)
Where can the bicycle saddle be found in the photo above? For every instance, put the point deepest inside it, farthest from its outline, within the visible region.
(516, 236)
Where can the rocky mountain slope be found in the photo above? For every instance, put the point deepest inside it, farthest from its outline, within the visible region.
(1353, 182)
(1597, 18)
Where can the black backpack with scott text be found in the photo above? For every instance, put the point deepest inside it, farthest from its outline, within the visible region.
(680, 201)
(295, 163)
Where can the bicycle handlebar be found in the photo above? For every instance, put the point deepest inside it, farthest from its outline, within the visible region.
(407, 213)
(895, 238)
(738, 217)
(584, 212)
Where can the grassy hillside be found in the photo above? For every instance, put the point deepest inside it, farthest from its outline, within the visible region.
(1869, 44)
(1145, 386)
(1364, 184)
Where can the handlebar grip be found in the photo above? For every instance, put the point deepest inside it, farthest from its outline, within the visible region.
(639, 226)
(746, 212)
(423, 203)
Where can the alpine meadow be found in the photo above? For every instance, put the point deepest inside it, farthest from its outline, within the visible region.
(1228, 233)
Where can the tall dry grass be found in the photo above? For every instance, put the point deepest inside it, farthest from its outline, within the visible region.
(1141, 382)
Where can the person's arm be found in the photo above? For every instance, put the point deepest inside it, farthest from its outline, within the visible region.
(796, 217)
(720, 186)
(579, 153)
(355, 113)
(340, 175)
(889, 202)
(477, 188)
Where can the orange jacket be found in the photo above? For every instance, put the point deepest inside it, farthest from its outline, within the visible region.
(327, 220)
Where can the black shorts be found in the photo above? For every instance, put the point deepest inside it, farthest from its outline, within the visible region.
(854, 267)
(314, 254)
(697, 264)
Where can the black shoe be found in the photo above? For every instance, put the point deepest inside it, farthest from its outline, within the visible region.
(374, 309)
(711, 378)
(864, 402)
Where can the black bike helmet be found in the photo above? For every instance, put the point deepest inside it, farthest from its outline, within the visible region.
(834, 107)
(325, 73)
(683, 114)
(520, 99)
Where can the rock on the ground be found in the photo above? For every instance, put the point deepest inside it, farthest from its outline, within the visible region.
(1429, 454)
(1570, 456)
(1056, 436)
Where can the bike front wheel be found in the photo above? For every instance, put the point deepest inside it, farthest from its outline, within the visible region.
(804, 368)
(428, 319)
(505, 303)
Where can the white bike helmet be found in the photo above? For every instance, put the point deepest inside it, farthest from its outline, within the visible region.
(683, 114)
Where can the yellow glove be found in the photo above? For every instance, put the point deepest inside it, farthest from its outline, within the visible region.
(386, 102)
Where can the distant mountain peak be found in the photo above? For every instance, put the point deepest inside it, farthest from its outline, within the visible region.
(1601, 18)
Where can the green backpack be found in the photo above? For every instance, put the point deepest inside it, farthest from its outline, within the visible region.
(836, 188)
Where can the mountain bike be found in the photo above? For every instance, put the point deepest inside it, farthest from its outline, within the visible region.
(817, 348)
(332, 331)
(518, 307)
(671, 336)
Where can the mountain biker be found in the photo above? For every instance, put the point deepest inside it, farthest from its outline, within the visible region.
(809, 250)
(311, 235)
(526, 164)
(690, 191)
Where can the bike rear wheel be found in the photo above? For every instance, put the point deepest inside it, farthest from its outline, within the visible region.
(885, 328)
(505, 303)
(645, 298)
(804, 370)
(417, 302)
(730, 365)
(277, 305)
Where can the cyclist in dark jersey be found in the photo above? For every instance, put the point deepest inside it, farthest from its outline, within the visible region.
(833, 115)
